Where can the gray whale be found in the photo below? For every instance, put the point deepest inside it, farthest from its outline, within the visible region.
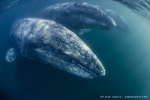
(78, 15)
(51, 43)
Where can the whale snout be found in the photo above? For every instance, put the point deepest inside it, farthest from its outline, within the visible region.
(98, 70)
(101, 71)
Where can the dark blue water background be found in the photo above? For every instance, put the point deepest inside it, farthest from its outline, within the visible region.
(125, 56)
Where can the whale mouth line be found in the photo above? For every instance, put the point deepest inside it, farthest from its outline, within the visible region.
(86, 70)
(78, 64)
(70, 60)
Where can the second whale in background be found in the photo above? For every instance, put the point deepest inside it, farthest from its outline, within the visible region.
(78, 16)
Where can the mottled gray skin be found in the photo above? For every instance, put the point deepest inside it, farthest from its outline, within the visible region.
(51, 43)
(77, 16)
(119, 20)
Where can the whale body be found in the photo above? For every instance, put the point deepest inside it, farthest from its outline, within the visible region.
(77, 16)
(51, 43)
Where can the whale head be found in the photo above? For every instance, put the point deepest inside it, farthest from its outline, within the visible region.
(51, 43)
(94, 16)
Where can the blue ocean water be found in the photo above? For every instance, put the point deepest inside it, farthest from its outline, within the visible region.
(125, 56)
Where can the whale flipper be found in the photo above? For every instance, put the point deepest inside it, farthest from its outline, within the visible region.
(10, 55)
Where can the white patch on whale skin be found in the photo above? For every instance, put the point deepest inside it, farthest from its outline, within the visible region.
(11, 55)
